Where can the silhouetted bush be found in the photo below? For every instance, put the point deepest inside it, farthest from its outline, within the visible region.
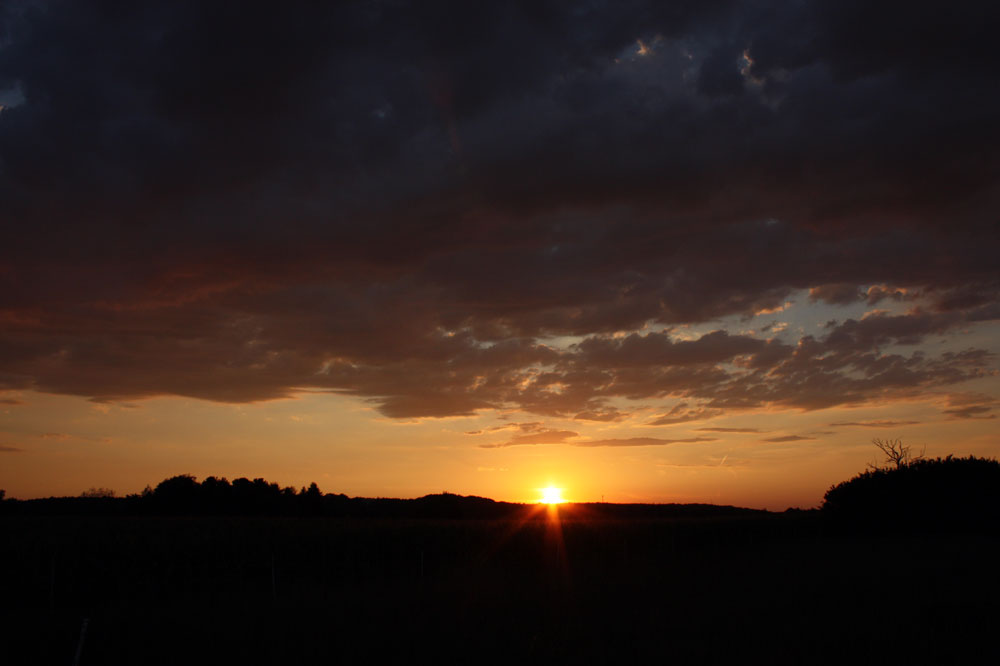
(93, 492)
(938, 494)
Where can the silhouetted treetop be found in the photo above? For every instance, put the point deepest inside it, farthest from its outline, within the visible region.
(896, 453)
(214, 495)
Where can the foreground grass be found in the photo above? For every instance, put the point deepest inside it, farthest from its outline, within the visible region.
(759, 589)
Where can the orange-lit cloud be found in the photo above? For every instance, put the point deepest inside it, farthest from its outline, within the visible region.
(642, 441)
(562, 436)
(876, 424)
(735, 430)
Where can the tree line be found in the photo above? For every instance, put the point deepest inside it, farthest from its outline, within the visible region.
(185, 495)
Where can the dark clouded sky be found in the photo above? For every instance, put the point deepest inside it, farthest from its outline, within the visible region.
(673, 233)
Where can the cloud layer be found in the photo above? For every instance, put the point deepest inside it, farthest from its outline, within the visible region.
(450, 207)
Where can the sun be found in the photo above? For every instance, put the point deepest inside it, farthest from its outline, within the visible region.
(552, 495)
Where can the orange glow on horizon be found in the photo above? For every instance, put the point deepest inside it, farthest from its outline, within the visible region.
(53, 445)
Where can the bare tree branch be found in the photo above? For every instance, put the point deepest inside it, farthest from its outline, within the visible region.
(896, 453)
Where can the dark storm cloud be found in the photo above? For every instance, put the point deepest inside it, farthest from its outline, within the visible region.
(880, 329)
(846, 293)
(836, 294)
(406, 201)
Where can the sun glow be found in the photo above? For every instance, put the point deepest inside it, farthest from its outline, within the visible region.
(552, 495)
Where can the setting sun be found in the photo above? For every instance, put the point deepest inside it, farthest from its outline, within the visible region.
(552, 495)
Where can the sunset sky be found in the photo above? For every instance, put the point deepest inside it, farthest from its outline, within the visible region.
(642, 251)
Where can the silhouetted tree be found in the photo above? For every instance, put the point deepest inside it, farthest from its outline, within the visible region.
(311, 499)
(177, 494)
(920, 493)
(896, 453)
(182, 483)
(216, 495)
(257, 496)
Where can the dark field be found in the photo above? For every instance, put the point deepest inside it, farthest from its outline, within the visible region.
(758, 588)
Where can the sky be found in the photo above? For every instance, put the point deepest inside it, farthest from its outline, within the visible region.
(693, 251)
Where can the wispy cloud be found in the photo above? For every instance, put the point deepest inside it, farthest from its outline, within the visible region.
(741, 430)
(642, 441)
(560, 437)
(971, 406)
(540, 436)
(66, 437)
(971, 412)
(875, 424)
